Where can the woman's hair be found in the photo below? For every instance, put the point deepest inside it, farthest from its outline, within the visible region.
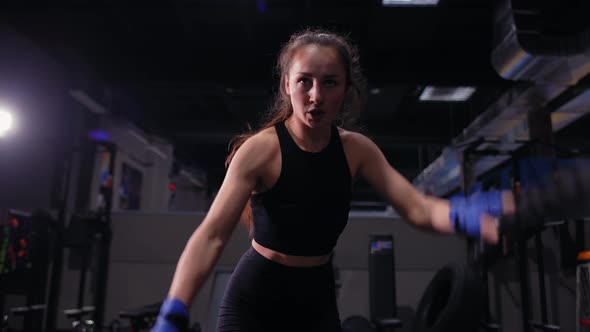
(281, 109)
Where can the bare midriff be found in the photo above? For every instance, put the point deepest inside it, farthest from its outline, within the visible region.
(290, 260)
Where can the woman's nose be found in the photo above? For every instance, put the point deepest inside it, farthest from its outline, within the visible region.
(315, 94)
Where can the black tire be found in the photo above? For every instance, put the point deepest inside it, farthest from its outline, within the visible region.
(452, 301)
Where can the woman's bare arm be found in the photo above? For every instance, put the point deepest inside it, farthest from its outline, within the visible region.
(207, 242)
(418, 209)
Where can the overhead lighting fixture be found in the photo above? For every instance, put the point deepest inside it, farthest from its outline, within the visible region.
(432, 93)
(394, 3)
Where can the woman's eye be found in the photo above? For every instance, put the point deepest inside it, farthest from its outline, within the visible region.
(331, 82)
(303, 81)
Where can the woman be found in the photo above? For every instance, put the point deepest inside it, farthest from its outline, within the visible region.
(297, 172)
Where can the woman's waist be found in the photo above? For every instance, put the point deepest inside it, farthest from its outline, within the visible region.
(291, 260)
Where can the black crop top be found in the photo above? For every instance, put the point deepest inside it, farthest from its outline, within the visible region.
(304, 213)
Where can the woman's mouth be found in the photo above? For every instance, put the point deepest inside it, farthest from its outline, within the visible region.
(316, 114)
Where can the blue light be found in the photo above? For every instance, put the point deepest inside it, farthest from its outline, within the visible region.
(261, 6)
(99, 135)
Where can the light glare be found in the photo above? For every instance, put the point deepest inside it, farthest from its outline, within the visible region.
(5, 121)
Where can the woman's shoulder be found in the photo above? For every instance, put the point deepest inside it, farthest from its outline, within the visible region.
(262, 144)
(265, 136)
(257, 150)
(353, 138)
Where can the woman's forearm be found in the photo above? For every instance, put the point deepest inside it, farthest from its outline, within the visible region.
(438, 211)
(195, 265)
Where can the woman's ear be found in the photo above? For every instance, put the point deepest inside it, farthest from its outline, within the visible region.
(286, 80)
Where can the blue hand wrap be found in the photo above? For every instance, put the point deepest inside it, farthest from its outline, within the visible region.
(173, 317)
(466, 212)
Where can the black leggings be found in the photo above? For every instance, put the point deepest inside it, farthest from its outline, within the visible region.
(263, 295)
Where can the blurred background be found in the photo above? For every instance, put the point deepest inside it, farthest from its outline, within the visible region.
(115, 120)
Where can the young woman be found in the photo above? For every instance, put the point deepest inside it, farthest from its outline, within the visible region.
(295, 174)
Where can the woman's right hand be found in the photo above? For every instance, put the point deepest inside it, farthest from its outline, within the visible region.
(173, 317)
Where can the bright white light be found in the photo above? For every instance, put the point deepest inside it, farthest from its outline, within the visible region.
(409, 2)
(5, 121)
(432, 93)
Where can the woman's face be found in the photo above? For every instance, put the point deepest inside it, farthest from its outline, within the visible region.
(316, 85)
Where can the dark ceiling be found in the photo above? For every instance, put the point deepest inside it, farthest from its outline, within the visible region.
(199, 71)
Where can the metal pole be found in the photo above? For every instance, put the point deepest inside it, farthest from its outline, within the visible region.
(541, 268)
(104, 245)
(522, 266)
(57, 266)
